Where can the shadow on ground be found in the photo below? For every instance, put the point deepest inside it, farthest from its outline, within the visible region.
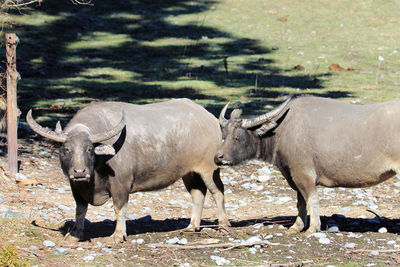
(147, 225)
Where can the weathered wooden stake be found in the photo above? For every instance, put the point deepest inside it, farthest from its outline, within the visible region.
(12, 109)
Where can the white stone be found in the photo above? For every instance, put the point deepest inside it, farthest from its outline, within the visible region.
(220, 260)
(252, 239)
(61, 251)
(48, 243)
(88, 258)
(253, 250)
(324, 240)
(183, 241)
(382, 230)
(318, 235)
(350, 245)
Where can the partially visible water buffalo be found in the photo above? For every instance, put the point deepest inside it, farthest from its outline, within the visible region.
(112, 149)
(318, 141)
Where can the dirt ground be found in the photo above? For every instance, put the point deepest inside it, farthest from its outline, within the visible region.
(259, 202)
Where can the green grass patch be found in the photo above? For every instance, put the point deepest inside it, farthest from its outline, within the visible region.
(9, 257)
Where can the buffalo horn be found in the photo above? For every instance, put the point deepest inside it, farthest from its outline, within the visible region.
(222, 120)
(98, 138)
(248, 123)
(45, 132)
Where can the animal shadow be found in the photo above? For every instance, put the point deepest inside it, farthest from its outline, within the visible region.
(345, 224)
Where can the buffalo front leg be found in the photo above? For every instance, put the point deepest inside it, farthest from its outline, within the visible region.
(214, 184)
(77, 230)
(197, 189)
(301, 219)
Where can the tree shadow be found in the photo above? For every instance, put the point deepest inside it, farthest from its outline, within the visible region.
(142, 43)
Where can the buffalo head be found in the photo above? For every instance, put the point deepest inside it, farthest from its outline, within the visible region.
(241, 137)
(79, 147)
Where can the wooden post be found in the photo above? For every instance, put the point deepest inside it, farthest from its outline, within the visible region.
(12, 109)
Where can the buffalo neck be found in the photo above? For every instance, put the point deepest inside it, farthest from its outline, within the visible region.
(265, 147)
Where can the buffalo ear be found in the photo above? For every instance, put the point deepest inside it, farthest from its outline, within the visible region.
(265, 127)
(104, 149)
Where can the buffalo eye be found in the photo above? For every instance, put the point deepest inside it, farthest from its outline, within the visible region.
(89, 150)
(67, 150)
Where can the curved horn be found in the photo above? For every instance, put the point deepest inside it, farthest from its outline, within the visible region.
(248, 123)
(45, 132)
(98, 138)
(222, 120)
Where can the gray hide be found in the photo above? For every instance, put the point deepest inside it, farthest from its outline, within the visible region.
(319, 141)
(161, 143)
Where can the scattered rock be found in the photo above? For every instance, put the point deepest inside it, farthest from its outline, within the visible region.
(48, 243)
(318, 235)
(106, 250)
(220, 260)
(88, 258)
(333, 229)
(324, 240)
(374, 253)
(61, 251)
(252, 240)
(350, 245)
(383, 230)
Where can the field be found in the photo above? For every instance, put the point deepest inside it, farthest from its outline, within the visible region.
(254, 52)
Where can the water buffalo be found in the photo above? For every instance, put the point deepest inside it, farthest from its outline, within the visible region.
(112, 149)
(317, 141)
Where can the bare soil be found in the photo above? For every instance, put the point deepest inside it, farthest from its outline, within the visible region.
(33, 214)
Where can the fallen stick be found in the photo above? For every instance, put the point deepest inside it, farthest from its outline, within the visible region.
(371, 250)
(222, 245)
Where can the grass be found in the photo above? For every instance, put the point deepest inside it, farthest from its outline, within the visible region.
(9, 256)
(209, 51)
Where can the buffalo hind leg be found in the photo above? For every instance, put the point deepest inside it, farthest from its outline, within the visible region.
(214, 184)
(305, 184)
(197, 189)
(120, 202)
(301, 219)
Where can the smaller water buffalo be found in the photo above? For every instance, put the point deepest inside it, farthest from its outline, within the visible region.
(112, 149)
(317, 141)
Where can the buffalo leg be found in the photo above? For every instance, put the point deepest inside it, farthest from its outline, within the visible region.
(197, 189)
(301, 219)
(77, 230)
(214, 184)
(80, 214)
(120, 203)
(305, 184)
(313, 206)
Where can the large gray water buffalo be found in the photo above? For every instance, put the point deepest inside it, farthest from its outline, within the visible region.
(112, 149)
(317, 141)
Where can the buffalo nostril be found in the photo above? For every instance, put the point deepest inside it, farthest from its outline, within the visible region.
(79, 171)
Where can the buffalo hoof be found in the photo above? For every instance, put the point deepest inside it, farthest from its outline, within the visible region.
(118, 238)
(73, 237)
(311, 231)
(294, 229)
(192, 228)
(224, 224)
